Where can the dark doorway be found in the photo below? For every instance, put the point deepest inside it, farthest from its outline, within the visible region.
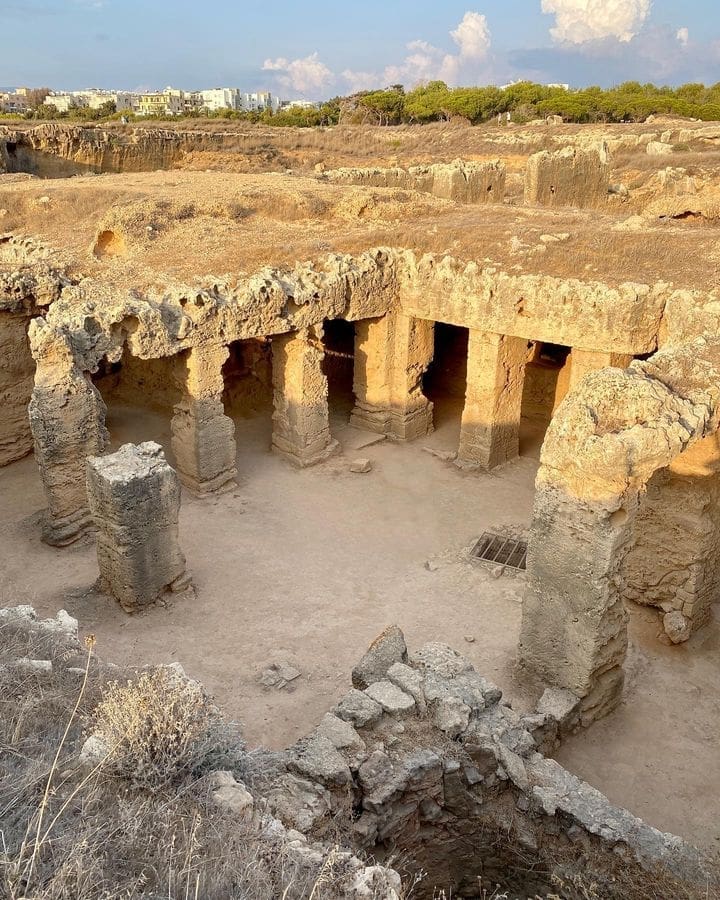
(445, 380)
(338, 367)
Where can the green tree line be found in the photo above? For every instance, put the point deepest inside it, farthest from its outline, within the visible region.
(436, 102)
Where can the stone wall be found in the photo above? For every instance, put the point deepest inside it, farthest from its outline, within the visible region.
(568, 177)
(422, 762)
(463, 182)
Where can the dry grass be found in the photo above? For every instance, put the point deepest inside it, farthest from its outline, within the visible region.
(73, 831)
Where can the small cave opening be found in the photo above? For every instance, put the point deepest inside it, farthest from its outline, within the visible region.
(339, 368)
(445, 380)
(109, 243)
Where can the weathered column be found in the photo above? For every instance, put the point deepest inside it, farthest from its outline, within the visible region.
(301, 429)
(203, 437)
(584, 361)
(67, 418)
(574, 632)
(134, 498)
(490, 429)
(391, 355)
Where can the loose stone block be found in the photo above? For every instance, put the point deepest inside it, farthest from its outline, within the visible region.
(134, 498)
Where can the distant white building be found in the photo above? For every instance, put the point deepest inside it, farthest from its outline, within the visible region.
(92, 98)
(219, 98)
(259, 101)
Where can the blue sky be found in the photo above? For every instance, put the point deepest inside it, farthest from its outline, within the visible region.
(319, 48)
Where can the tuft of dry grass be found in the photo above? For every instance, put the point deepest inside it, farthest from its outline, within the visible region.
(140, 823)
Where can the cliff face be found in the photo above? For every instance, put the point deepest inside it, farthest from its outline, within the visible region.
(59, 151)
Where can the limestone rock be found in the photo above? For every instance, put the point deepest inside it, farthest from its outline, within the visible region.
(134, 496)
(387, 648)
(231, 796)
(677, 626)
(317, 758)
(341, 734)
(441, 659)
(391, 698)
(358, 708)
(410, 681)
(658, 148)
(361, 466)
(568, 177)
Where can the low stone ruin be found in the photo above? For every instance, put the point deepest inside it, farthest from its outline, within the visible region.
(421, 779)
(429, 768)
(568, 177)
(134, 499)
(463, 182)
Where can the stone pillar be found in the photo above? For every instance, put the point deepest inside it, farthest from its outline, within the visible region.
(203, 437)
(67, 418)
(490, 429)
(584, 361)
(301, 428)
(134, 497)
(391, 355)
(574, 623)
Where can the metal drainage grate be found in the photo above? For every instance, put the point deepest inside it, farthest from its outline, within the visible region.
(501, 551)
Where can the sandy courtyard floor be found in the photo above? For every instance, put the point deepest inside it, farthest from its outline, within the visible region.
(307, 567)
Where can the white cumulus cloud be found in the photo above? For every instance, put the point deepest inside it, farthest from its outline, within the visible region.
(306, 75)
(472, 36)
(683, 36)
(579, 21)
(426, 62)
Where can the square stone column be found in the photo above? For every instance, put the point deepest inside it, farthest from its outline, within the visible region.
(67, 419)
(391, 355)
(584, 361)
(134, 497)
(490, 429)
(301, 428)
(203, 437)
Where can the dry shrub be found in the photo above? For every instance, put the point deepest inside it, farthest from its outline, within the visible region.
(160, 728)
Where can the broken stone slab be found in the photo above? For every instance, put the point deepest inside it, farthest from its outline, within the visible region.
(361, 466)
(388, 648)
(318, 758)
(410, 681)
(559, 704)
(513, 766)
(358, 708)
(445, 455)
(278, 675)
(341, 734)
(394, 701)
(369, 440)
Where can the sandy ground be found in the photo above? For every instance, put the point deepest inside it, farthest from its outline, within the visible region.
(306, 567)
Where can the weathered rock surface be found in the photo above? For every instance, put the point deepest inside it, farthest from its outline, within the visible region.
(134, 497)
(568, 177)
